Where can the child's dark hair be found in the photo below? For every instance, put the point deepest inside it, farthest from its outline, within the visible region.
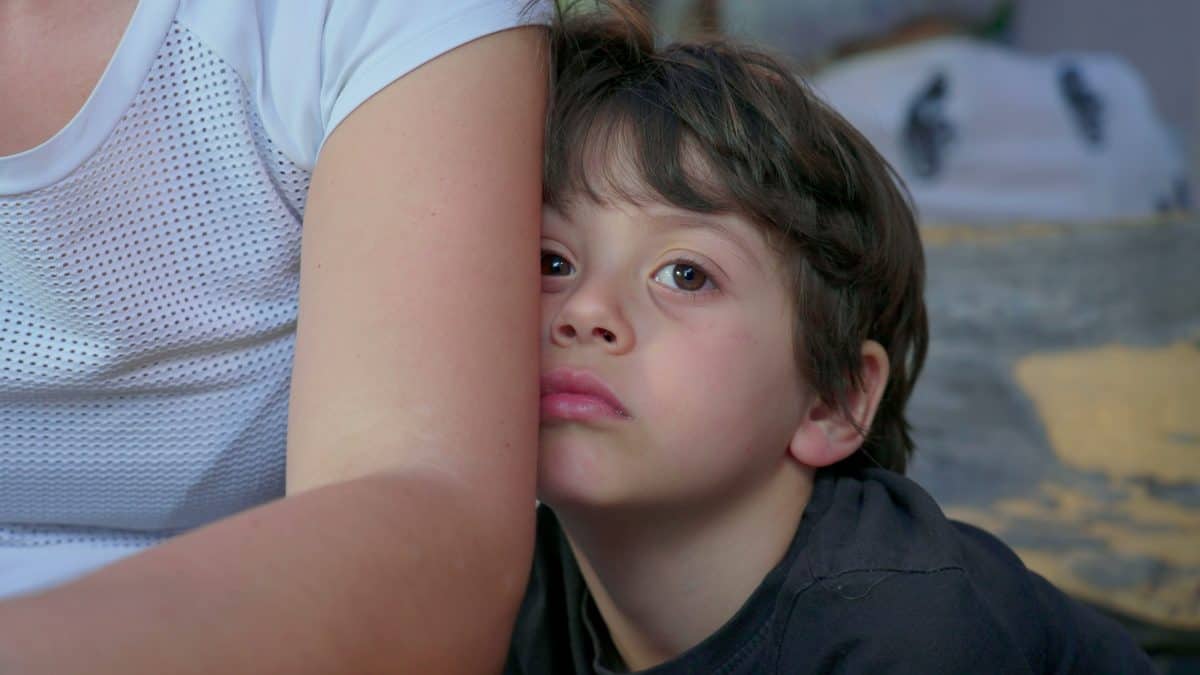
(714, 127)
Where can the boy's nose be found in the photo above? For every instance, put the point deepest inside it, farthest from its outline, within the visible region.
(592, 322)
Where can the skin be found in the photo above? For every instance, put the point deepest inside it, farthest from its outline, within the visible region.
(404, 541)
(687, 319)
(45, 87)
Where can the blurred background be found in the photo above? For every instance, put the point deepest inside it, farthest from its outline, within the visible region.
(1052, 149)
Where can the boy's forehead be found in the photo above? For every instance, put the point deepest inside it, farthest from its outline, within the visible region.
(613, 168)
(649, 210)
(613, 160)
(656, 214)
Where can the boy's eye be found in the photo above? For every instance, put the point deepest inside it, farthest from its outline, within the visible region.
(683, 276)
(554, 265)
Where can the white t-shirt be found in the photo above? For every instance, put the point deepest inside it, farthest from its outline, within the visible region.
(149, 266)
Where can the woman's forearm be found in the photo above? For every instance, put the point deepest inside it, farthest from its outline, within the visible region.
(398, 573)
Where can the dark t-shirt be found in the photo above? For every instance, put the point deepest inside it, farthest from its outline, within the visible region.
(876, 580)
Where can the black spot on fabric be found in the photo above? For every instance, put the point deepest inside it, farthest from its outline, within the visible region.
(1183, 194)
(1085, 105)
(1177, 198)
(927, 131)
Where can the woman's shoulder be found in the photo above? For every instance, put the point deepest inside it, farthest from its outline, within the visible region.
(308, 64)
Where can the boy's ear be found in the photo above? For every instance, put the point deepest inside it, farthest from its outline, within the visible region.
(826, 435)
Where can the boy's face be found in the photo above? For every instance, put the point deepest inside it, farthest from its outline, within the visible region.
(668, 374)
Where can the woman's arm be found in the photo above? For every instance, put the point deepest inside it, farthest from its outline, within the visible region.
(404, 543)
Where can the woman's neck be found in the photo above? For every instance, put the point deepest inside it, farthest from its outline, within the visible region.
(51, 57)
(664, 580)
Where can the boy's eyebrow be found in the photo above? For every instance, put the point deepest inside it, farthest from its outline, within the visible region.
(712, 222)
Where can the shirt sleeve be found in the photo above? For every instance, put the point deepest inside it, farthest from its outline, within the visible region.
(896, 622)
(307, 64)
(937, 622)
(367, 45)
(1085, 641)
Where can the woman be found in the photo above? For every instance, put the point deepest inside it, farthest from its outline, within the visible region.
(153, 296)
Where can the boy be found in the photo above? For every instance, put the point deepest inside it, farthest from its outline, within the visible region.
(732, 323)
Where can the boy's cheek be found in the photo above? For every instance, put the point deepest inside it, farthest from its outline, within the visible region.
(719, 379)
(551, 303)
(698, 380)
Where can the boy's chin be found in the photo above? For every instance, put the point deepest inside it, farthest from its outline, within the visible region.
(571, 477)
(574, 493)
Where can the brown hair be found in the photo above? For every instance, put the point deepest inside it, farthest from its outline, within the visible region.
(715, 127)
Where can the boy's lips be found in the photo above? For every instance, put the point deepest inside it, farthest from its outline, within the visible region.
(569, 394)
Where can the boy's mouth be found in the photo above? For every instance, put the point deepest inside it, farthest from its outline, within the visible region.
(577, 395)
